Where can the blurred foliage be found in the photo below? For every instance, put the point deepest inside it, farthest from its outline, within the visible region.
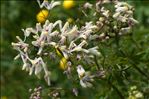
(129, 58)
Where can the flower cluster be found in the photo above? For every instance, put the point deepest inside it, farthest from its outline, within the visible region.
(124, 12)
(134, 93)
(36, 93)
(72, 43)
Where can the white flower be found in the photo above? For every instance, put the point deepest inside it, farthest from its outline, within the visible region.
(73, 33)
(81, 71)
(106, 1)
(20, 45)
(122, 9)
(85, 34)
(129, 12)
(27, 31)
(24, 57)
(87, 30)
(94, 51)
(75, 91)
(89, 25)
(38, 69)
(85, 84)
(24, 66)
(79, 47)
(116, 15)
(122, 18)
(48, 5)
(119, 4)
(47, 78)
(85, 77)
(106, 13)
(124, 30)
(133, 20)
(88, 5)
(31, 70)
(16, 57)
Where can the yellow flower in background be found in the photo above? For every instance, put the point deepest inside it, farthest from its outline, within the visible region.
(63, 63)
(4, 97)
(42, 16)
(68, 4)
(70, 20)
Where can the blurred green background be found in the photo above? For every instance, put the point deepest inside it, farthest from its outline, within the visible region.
(15, 83)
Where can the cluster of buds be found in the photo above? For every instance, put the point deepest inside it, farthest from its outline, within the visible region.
(55, 94)
(124, 12)
(36, 93)
(71, 42)
(134, 93)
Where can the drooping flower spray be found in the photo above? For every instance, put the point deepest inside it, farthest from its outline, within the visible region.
(71, 43)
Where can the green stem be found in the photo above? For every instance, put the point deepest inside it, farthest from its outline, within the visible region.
(103, 63)
(139, 70)
(96, 62)
(117, 90)
(135, 42)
